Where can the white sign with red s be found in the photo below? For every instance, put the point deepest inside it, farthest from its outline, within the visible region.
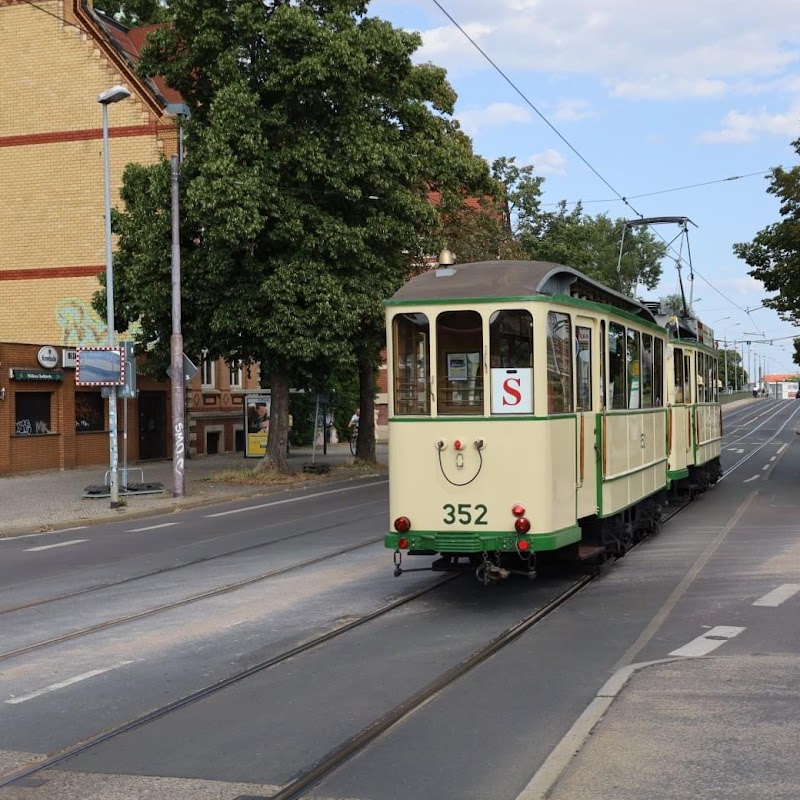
(512, 391)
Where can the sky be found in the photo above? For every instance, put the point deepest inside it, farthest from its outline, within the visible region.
(642, 100)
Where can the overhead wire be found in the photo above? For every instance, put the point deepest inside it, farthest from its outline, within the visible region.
(619, 196)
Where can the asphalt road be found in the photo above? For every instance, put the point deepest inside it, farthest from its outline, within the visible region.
(484, 737)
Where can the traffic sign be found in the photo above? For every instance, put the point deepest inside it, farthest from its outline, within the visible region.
(189, 369)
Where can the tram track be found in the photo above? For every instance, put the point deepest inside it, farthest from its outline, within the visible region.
(72, 750)
(216, 592)
(195, 562)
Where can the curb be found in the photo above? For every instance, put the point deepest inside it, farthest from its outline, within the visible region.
(184, 505)
(554, 766)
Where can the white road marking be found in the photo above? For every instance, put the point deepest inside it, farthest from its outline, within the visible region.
(709, 641)
(754, 478)
(62, 684)
(773, 458)
(766, 466)
(779, 595)
(152, 527)
(735, 450)
(292, 500)
(782, 448)
(51, 546)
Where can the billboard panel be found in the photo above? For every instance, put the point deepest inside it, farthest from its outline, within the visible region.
(100, 366)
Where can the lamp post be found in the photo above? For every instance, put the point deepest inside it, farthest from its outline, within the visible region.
(733, 325)
(112, 95)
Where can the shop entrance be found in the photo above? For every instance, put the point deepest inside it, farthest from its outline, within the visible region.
(152, 425)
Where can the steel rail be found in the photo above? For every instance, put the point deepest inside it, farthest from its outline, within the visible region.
(220, 590)
(79, 747)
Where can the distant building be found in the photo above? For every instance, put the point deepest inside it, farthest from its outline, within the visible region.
(781, 386)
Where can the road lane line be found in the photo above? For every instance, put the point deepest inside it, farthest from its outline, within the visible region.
(708, 642)
(782, 448)
(51, 546)
(62, 684)
(293, 500)
(152, 527)
(779, 595)
(765, 467)
(754, 478)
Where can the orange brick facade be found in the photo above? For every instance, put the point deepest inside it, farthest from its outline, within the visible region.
(57, 57)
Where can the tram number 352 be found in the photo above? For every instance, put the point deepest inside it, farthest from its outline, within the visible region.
(465, 513)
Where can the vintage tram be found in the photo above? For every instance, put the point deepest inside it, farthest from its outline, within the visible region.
(534, 410)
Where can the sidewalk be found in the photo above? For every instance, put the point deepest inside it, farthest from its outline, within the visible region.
(53, 500)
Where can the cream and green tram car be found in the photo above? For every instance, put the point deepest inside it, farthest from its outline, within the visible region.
(528, 415)
(695, 421)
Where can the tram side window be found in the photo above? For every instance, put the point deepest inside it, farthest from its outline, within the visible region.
(459, 337)
(511, 361)
(687, 378)
(559, 363)
(647, 371)
(634, 370)
(583, 367)
(658, 373)
(411, 337)
(714, 373)
(701, 381)
(616, 365)
(678, 366)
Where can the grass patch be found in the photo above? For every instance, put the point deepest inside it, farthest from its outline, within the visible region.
(258, 476)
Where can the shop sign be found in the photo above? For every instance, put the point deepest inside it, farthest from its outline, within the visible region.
(36, 375)
(47, 357)
(69, 358)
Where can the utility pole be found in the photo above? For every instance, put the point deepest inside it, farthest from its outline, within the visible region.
(176, 344)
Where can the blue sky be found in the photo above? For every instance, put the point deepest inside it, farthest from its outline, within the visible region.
(655, 97)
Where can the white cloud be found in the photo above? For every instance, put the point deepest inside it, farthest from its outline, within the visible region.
(744, 286)
(741, 127)
(673, 50)
(494, 115)
(548, 162)
(573, 111)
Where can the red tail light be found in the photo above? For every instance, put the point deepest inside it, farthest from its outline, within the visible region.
(518, 510)
(522, 525)
(402, 543)
(402, 524)
(522, 544)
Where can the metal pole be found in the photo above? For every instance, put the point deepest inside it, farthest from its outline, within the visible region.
(176, 345)
(112, 396)
(725, 356)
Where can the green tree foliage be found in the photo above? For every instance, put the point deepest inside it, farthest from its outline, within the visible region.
(311, 146)
(134, 12)
(774, 253)
(796, 354)
(730, 362)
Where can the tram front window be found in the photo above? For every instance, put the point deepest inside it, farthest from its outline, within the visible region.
(459, 368)
(411, 338)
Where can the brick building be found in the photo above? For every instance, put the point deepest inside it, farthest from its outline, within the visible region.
(58, 56)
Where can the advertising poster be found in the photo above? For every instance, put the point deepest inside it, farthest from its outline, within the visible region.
(256, 420)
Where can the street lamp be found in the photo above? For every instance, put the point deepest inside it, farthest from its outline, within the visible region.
(727, 328)
(112, 95)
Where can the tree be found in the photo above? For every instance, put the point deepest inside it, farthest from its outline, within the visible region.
(796, 354)
(730, 366)
(592, 245)
(304, 190)
(774, 253)
(134, 12)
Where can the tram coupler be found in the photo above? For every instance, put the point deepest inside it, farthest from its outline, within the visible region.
(398, 560)
(488, 573)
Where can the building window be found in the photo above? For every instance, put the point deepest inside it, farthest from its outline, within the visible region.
(207, 365)
(32, 413)
(89, 414)
(235, 372)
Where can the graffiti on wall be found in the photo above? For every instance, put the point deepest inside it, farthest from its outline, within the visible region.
(79, 324)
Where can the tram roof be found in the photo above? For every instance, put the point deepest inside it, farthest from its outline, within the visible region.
(501, 279)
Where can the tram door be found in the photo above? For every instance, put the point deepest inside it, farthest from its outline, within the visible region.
(586, 406)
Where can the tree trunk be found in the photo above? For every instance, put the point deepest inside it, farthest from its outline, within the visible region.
(277, 450)
(365, 447)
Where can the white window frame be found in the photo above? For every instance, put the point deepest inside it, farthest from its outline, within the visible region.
(207, 371)
(235, 374)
